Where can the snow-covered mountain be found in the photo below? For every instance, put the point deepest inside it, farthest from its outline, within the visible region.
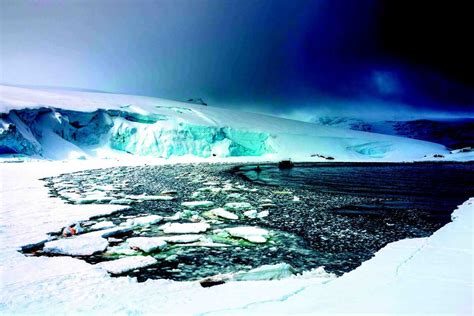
(452, 132)
(65, 124)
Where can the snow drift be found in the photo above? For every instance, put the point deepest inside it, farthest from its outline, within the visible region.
(60, 124)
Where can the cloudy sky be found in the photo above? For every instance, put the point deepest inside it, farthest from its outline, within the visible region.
(269, 56)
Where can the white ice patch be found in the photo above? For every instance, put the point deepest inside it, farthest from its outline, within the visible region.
(224, 214)
(82, 245)
(126, 264)
(184, 239)
(252, 234)
(251, 214)
(197, 204)
(151, 197)
(237, 206)
(147, 244)
(144, 220)
(102, 225)
(266, 272)
(184, 228)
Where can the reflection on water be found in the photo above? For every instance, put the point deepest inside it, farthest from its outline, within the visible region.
(434, 187)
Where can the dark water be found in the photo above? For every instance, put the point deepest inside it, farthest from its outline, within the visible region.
(343, 213)
(436, 188)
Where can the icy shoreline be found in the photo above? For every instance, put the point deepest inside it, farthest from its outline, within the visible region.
(440, 267)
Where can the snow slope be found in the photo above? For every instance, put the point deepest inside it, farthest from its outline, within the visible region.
(451, 132)
(56, 124)
(419, 276)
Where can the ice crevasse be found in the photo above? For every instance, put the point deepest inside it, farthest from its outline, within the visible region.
(56, 133)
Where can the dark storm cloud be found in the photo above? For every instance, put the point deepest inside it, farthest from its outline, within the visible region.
(271, 56)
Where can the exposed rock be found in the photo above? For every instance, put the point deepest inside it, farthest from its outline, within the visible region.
(75, 229)
(33, 247)
(215, 280)
(169, 192)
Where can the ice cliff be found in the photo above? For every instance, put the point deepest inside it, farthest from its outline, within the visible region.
(61, 124)
(35, 131)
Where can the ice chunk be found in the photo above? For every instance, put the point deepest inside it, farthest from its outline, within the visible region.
(112, 232)
(223, 213)
(151, 197)
(147, 244)
(237, 206)
(235, 196)
(251, 214)
(197, 204)
(252, 234)
(185, 228)
(266, 272)
(76, 246)
(122, 201)
(182, 238)
(144, 220)
(102, 225)
(263, 214)
(90, 199)
(127, 264)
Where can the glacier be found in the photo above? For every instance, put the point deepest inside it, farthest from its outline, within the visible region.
(68, 124)
(31, 131)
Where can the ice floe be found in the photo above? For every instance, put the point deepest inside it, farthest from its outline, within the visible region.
(147, 244)
(151, 197)
(220, 212)
(102, 225)
(237, 206)
(266, 272)
(127, 264)
(198, 204)
(249, 233)
(76, 246)
(185, 228)
(143, 220)
(121, 201)
(251, 213)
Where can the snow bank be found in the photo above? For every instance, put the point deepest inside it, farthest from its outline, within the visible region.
(57, 124)
(418, 276)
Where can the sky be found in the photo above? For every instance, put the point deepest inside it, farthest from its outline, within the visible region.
(278, 57)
